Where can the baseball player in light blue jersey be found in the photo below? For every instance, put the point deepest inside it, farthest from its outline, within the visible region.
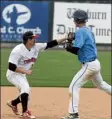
(84, 47)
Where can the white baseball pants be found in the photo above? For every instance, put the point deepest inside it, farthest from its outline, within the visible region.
(19, 80)
(89, 71)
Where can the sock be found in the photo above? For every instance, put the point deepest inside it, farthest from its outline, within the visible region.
(16, 101)
(24, 101)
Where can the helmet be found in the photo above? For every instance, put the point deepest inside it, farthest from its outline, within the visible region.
(29, 35)
(80, 16)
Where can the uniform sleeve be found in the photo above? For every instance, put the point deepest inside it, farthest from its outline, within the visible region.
(14, 57)
(79, 39)
(40, 46)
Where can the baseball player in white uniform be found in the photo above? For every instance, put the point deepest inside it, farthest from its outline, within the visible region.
(21, 59)
(84, 47)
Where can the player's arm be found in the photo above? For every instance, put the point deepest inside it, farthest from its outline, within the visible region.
(44, 46)
(13, 61)
(73, 50)
(14, 68)
(54, 43)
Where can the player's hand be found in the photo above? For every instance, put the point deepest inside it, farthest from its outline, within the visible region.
(70, 36)
(29, 72)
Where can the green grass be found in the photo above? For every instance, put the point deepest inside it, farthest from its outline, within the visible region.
(56, 68)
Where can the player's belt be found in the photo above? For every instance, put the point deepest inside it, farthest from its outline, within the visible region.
(90, 61)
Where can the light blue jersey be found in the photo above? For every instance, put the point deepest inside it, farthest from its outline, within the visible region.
(84, 39)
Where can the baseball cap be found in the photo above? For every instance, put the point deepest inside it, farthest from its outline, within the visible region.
(30, 34)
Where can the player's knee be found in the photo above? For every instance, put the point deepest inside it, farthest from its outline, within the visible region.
(25, 89)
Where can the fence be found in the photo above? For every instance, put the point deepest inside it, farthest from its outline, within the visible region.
(52, 19)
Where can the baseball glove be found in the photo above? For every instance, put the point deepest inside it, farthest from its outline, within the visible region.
(69, 42)
(71, 36)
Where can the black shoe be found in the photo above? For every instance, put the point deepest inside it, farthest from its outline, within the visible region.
(71, 116)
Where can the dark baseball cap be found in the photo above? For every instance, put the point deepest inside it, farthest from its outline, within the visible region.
(30, 34)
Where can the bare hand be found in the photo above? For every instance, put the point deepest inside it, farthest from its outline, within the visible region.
(29, 72)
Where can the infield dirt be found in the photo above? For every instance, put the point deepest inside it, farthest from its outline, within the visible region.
(52, 103)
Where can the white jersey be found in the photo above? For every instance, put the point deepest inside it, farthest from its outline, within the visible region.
(22, 57)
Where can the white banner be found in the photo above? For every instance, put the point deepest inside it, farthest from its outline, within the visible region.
(99, 19)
